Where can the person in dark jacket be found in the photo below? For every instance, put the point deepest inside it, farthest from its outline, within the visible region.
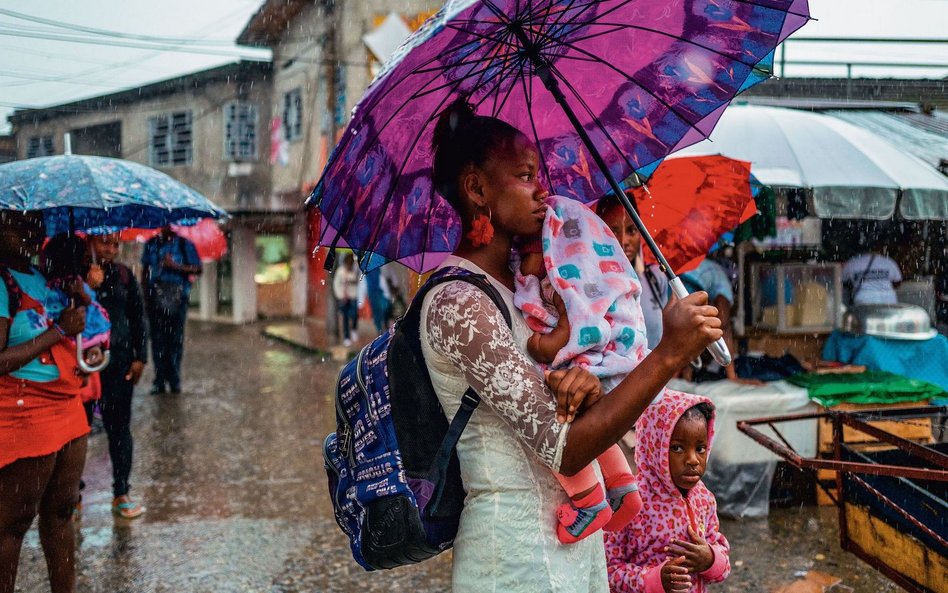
(120, 295)
(168, 263)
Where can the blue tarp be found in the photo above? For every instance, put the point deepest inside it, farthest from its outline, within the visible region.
(926, 359)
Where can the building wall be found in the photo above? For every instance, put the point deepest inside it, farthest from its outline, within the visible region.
(240, 188)
(932, 93)
(355, 18)
(208, 172)
(300, 61)
(322, 52)
(8, 150)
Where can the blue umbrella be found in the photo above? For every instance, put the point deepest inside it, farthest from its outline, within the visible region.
(99, 195)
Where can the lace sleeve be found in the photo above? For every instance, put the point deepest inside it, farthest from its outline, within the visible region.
(464, 325)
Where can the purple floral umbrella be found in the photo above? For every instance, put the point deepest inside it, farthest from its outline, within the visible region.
(627, 83)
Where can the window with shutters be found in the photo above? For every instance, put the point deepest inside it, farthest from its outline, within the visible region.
(170, 139)
(240, 132)
(38, 146)
(293, 114)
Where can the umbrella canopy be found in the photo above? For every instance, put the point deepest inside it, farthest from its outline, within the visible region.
(99, 195)
(206, 235)
(691, 202)
(851, 173)
(636, 79)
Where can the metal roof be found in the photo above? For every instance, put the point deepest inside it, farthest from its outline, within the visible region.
(241, 71)
(925, 136)
(270, 21)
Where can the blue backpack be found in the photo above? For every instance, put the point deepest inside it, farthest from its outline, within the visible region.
(394, 476)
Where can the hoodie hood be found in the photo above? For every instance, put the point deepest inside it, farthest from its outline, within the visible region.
(635, 554)
(654, 431)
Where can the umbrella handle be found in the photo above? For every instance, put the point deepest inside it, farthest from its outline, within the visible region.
(718, 349)
(86, 368)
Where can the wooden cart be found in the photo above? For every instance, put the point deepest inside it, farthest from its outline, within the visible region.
(892, 493)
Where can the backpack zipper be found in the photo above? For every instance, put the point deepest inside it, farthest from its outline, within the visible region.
(369, 407)
(330, 466)
(344, 441)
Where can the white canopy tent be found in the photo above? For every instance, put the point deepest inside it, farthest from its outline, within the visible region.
(848, 172)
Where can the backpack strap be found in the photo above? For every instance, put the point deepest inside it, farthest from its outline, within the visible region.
(14, 294)
(469, 400)
(858, 284)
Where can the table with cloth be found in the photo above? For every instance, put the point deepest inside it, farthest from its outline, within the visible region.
(926, 360)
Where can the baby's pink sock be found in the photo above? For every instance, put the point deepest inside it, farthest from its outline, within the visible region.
(622, 491)
(578, 519)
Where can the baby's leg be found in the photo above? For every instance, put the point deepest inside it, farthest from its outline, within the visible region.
(587, 510)
(621, 488)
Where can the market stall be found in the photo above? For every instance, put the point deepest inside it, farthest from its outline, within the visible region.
(835, 189)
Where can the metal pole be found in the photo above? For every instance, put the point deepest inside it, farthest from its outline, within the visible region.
(719, 348)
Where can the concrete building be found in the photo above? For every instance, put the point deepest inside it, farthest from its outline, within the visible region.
(208, 130)
(321, 67)
(7, 149)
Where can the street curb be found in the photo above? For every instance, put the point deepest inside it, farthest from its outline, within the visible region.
(295, 344)
(338, 353)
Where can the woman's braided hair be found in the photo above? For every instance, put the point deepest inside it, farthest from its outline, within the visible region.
(462, 138)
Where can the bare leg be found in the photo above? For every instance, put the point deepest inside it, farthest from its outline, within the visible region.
(57, 533)
(21, 488)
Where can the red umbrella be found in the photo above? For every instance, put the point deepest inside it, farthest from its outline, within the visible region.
(206, 235)
(691, 202)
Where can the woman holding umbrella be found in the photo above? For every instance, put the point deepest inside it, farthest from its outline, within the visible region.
(121, 297)
(487, 170)
(42, 423)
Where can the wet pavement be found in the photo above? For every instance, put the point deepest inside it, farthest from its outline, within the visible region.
(231, 474)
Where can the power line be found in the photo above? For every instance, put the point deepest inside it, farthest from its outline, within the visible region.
(59, 56)
(148, 56)
(41, 78)
(110, 33)
(236, 52)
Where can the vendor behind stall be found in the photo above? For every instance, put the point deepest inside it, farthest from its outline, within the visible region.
(871, 277)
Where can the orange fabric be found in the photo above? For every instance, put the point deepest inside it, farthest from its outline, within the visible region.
(690, 203)
(207, 236)
(36, 418)
(92, 390)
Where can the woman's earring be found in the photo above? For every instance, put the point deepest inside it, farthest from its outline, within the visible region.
(482, 231)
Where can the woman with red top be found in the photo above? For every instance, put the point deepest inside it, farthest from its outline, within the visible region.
(42, 423)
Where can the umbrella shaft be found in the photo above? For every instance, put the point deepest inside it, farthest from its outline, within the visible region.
(718, 349)
(546, 76)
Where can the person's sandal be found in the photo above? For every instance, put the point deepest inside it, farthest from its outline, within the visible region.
(125, 507)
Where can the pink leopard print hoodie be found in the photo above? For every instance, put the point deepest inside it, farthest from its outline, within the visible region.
(635, 555)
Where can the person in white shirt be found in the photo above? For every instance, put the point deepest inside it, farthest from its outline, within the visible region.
(345, 286)
(872, 278)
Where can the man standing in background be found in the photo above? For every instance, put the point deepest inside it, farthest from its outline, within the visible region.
(168, 263)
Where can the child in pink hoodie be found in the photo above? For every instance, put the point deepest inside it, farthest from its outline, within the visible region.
(675, 545)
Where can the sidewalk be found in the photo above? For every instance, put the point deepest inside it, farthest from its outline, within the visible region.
(309, 334)
(231, 473)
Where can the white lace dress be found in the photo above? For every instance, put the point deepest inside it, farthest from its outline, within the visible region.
(507, 539)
